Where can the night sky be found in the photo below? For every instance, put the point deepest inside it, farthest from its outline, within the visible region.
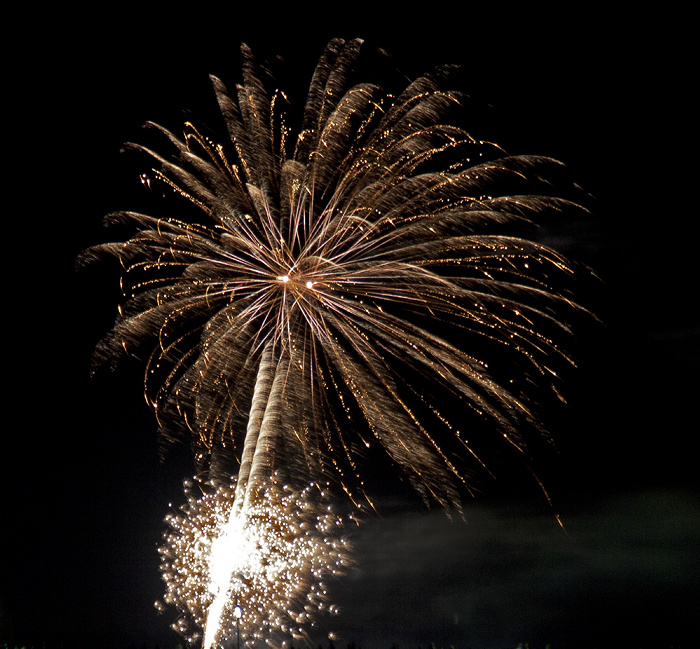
(84, 492)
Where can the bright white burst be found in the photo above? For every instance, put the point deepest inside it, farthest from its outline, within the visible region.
(272, 558)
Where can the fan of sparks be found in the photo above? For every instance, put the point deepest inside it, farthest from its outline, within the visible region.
(270, 558)
(366, 255)
(355, 286)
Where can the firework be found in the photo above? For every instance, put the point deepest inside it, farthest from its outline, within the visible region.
(323, 278)
(321, 294)
(271, 558)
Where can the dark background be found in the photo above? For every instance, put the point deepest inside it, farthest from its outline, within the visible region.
(84, 494)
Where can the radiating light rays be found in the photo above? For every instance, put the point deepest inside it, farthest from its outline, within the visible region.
(273, 557)
(362, 284)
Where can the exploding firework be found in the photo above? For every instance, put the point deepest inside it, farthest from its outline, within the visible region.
(323, 294)
(271, 558)
(324, 278)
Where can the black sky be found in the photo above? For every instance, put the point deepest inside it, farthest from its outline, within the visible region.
(84, 494)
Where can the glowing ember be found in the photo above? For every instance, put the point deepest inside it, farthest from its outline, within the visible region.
(272, 558)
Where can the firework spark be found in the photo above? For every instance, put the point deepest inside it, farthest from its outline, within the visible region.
(291, 315)
(271, 558)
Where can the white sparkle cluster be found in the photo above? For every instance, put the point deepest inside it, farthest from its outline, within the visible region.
(269, 556)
